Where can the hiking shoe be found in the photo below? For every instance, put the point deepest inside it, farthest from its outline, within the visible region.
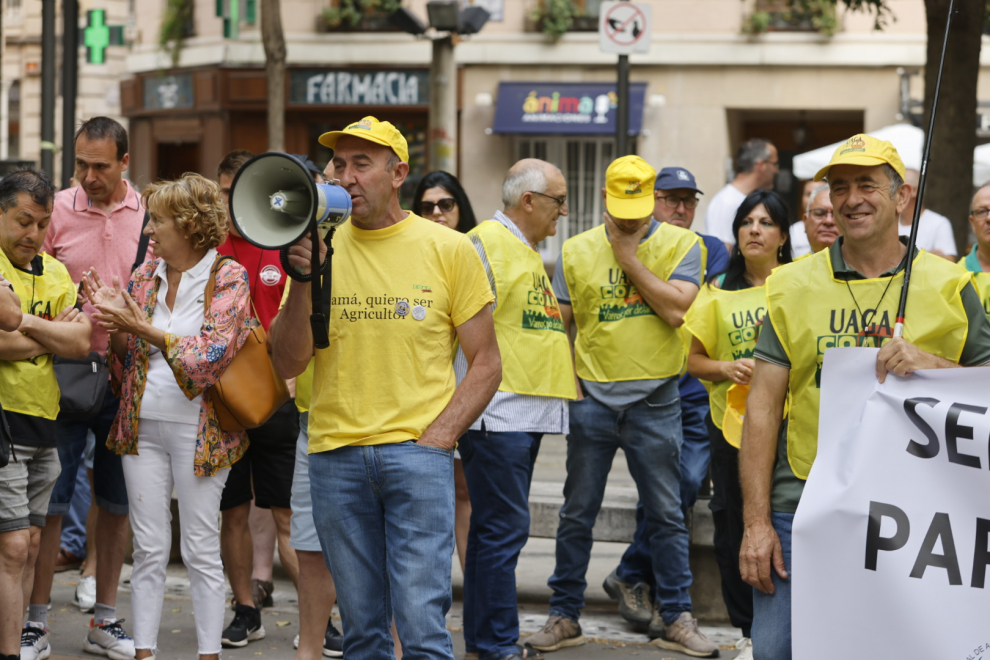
(333, 642)
(745, 646)
(634, 601)
(246, 627)
(558, 632)
(34, 642)
(682, 635)
(109, 639)
(85, 594)
(261, 593)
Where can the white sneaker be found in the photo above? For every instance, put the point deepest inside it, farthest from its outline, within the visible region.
(85, 596)
(109, 639)
(745, 646)
(295, 642)
(34, 642)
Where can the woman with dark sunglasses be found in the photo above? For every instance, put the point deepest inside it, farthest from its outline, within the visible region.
(439, 197)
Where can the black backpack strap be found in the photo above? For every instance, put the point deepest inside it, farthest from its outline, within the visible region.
(142, 250)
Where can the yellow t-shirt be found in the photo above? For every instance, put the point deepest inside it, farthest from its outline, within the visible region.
(398, 295)
(29, 386)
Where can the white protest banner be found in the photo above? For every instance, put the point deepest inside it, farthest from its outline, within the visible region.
(891, 541)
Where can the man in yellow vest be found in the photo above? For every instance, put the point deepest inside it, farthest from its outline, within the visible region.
(626, 286)
(978, 259)
(500, 448)
(849, 291)
(50, 325)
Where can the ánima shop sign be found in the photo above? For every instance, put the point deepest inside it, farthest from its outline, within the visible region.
(574, 108)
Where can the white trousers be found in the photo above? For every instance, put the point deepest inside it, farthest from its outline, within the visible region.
(166, 459)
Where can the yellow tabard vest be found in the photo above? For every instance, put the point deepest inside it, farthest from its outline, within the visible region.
(727, 323)
(812, 311)
(29, 386)
(982, 285)
(619, 336)
(536, 356)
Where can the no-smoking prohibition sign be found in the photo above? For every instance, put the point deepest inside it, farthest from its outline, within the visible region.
(624, 27)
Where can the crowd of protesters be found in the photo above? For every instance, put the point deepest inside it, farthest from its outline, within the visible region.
(416, 432)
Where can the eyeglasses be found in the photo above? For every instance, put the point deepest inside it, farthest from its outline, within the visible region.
(673, 201)
(560, 200)
(821, 214)
(980, 214)
(446, 205)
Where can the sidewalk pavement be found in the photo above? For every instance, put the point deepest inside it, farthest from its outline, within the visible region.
(602, 625)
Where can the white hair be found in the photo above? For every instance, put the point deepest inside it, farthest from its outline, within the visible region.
(815, 192)
(531, 178)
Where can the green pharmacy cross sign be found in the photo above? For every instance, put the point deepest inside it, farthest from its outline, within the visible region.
(233, 12)
(97, 36)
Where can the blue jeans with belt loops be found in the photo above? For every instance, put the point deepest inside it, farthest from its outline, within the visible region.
(385, 518)
(650, 435)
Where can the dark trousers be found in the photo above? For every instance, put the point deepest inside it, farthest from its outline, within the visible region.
(727, 511)
(499, 469)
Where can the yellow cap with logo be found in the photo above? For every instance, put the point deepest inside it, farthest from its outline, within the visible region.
(629, 188)
(369, 128)
(864, 150)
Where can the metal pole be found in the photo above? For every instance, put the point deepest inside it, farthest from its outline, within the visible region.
(443, 106)
(622, 112)
(913, 238)
(48, 86)
(70, 82)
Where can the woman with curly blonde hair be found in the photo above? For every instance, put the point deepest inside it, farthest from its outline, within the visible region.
(166, 352)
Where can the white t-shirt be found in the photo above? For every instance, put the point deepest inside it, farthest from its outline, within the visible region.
(163, 400)
(800, 245)
(722, 211)
(934, 233)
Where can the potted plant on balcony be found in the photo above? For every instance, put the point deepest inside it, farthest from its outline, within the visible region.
(359, 16)
(556, 17)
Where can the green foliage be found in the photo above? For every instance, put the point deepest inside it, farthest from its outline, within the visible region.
(176, 21)
(351, 12)
(555, 17)
(817, 15)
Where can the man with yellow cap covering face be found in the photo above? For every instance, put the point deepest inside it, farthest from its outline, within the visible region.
(384, 415)
(626, 285)
(845, 295)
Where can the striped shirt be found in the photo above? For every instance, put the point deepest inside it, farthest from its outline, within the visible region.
(508, 411)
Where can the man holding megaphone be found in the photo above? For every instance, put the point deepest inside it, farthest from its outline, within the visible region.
(384, 415)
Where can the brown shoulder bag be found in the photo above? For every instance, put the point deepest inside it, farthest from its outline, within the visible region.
(250, 391)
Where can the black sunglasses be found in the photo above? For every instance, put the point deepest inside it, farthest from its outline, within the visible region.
(446, 205)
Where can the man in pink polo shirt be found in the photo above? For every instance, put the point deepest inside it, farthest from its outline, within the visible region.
(95, 225)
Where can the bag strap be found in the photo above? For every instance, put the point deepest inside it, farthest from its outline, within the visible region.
(211, 285)
(142, 250)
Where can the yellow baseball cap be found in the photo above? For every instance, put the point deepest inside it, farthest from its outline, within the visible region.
(864, 150)
(629, 188)
(369, 128)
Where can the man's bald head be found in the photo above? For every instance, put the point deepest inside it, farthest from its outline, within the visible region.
(527, 175)
(534, 194)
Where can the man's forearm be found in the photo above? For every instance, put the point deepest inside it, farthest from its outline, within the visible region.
(669, 302)
(66, 338)
(756, 457)
(18, 346)
(10, 309)
(291, 333)
(470, 398)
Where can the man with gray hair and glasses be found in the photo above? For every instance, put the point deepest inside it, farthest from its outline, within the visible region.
(819, 222)
(978, 259)
(757, 164)
(500, 448)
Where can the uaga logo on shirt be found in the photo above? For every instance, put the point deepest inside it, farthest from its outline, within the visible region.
(849, 328)
(746, 326)
(546, 315)
(620, 299)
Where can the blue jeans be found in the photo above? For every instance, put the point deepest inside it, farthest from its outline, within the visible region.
(74, 522)
(772, 612)
(637, 561)
(650, 435)
(499, 470)
(385, 518)
(108, 474)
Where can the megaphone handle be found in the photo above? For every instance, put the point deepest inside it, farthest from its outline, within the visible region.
(319, 318)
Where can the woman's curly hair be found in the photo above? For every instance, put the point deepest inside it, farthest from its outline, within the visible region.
(195, 203)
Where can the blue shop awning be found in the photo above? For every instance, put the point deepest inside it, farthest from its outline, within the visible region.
(568, 108)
